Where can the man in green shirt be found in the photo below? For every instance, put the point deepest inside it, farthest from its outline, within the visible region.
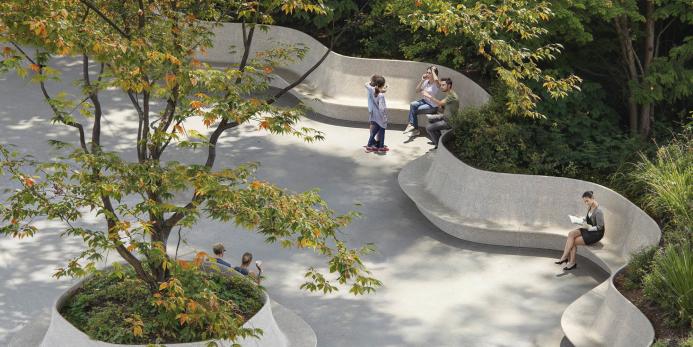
(450, 105)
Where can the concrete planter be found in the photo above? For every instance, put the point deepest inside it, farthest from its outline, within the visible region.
(61, 333)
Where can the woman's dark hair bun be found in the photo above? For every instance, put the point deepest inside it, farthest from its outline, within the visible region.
(588, 194)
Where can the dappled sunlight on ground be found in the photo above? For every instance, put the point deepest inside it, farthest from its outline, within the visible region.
(438, 290)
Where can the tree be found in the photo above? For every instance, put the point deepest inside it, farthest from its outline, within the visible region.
(506, 33)
(651, 65)
(148, 50)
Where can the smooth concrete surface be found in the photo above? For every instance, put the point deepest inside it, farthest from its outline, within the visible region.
(438, 290)
(335, 89)
(531, 211)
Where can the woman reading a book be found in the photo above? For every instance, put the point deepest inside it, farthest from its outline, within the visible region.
(591, 232)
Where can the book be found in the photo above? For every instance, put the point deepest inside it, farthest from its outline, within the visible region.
(576, 220)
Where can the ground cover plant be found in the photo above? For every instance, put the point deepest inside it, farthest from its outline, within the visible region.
(149, 52)
(113, 302)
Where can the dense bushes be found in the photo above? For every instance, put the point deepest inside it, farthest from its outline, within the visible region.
(117, 307)
(583, 141)
(670, 283)
(579, 139)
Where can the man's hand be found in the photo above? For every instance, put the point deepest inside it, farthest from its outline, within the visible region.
(426, 94)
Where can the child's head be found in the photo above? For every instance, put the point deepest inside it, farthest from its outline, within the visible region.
(379, 84)
(374, 78)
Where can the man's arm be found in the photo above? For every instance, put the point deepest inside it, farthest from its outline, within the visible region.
(436, 101)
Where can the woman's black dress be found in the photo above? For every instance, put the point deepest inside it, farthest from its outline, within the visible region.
(591, 237)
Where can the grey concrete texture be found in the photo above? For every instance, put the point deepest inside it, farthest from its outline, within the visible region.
(531, 211)
(438, 290)
(335, 89)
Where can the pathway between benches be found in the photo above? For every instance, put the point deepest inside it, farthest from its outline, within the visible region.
(439, 290)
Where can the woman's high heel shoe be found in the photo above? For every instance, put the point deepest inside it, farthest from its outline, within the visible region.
(570, 268)
(561, 262)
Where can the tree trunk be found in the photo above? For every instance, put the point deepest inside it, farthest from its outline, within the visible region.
(646, 109)
(628, 54)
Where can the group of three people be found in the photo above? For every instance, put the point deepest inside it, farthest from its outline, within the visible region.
(429, 104)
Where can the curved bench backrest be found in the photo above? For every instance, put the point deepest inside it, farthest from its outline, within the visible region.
(527, 202)
(339, 76)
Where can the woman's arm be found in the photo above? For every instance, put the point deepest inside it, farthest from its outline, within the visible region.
(599, 218)
(419, 87)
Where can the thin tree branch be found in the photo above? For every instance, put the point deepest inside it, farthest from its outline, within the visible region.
(94, 97)
(93, 7)
(659, 36)
(317, 64)
(60, 115)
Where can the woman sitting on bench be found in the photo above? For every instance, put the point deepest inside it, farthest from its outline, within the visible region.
(590, 234)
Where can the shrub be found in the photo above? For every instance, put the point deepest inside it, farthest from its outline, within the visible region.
(639, 265)
(579, 139)
(113, 304)
(670, 283)
(665, 186)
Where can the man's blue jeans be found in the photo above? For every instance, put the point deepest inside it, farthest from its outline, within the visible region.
(419, 107)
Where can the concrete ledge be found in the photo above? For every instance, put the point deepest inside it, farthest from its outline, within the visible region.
(335, 89)
(531, 211)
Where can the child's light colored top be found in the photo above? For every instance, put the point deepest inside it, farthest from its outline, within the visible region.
(379, 112)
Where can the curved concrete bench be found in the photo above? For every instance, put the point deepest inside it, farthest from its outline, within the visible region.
(335, 89)
(531, 211)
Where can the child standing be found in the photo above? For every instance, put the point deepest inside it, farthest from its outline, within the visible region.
(377, 116)
(370, 89)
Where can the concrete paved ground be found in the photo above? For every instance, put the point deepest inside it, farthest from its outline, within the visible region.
(439, 291)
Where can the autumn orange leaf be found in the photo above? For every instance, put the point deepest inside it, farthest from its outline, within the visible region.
(196, 104)
(137, 330)
(28, 181)
(170, 79)
(208, 121)
(35, 67)
(268, 69)
(264, 124)
(6, 51)
(178, 129)
(256, 185)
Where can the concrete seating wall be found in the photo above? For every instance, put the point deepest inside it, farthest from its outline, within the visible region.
(531, 211)
(537, 204)
(335, 89)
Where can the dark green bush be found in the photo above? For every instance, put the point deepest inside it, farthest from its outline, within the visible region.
(663, 186)
(580, 138)
(106, 304)
(670, 283)
(639, 265)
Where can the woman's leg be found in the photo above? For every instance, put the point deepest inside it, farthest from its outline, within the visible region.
(569, 243)
(578, 241)
(421, 109)
(413, 107)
